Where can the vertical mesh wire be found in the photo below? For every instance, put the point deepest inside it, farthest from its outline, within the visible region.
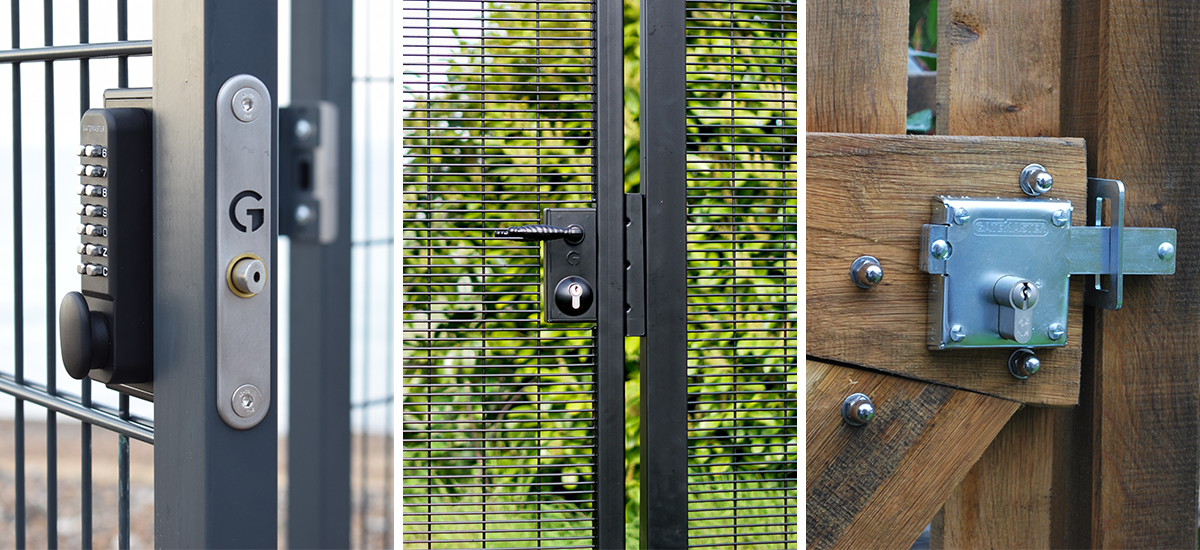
(498, 408)
(741, 197)
(83, 494)
(373, 247)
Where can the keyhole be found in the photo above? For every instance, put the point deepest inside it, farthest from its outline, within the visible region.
(257, 276)
(575, 291)
(1024, 291)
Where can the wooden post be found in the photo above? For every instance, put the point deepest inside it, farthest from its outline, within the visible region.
(1129, 86)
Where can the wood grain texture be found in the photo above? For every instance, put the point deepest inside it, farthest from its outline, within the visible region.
(1004, 501)
(870, 195)
(1002, 61)
(857, 62)
(878, 485)
(998, 67)
(1145, 411)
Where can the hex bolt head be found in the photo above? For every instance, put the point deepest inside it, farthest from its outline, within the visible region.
(1023, 363)
(1061, 218)
(940, 249)
(1166, 251)
(957, 333)
(1056, 331)
(961, 216)
(866, 272)
(1035, 180)
(858, 409)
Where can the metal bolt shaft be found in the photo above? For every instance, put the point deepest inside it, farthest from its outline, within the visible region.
(1023, 363)
(866, 271)
(858, 409)
(1035, 180)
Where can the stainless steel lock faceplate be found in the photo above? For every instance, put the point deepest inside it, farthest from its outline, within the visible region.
(972, 246)
(245, 233)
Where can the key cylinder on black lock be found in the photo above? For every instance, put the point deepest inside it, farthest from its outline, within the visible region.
(568, 282)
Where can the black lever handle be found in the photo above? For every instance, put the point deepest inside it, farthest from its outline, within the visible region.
(573, 233)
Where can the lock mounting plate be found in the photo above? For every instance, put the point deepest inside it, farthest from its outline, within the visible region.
(562, 259)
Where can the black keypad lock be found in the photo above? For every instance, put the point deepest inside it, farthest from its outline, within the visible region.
(106, 329)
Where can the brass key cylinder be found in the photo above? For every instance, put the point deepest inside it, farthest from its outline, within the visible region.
(246, 275)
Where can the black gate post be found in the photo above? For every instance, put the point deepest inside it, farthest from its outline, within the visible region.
(664, 490)
(610, 337)
(319, 349)
(215, 487)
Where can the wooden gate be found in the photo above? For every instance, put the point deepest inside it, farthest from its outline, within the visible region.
(1100, 448)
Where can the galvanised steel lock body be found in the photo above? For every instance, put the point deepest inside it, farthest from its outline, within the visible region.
(1000, 268)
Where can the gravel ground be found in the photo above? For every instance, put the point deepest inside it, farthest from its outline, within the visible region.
(377, 531)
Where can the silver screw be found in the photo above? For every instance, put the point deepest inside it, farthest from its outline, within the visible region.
(858, 409)
(1061, 218)
(1056, 331)
(940, 249)
(1023, 363)
(866, 272)
(246, 400)
(1035, 180)
(304, 214)
(304, 128)
(247, 104)
(1166, 251)
(961, 216)
(957, 333)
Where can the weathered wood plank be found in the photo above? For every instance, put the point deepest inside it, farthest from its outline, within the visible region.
(998, 67)
(1004, 501)
(878, 485)
(1001, 62)
(1144, 418)
(857, 62)
(870, 194)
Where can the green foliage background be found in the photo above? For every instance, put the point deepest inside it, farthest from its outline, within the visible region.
(478, 361)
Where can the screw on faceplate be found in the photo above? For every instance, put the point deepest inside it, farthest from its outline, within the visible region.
(866, 272)
(1023, 363)
(957, 333)
(246, 104)
(940, 249)
(247, 400)
(1061, 218)
(1056, 331)
(1035, 180)
(857, 409)
(1166, 251)
(961, 216)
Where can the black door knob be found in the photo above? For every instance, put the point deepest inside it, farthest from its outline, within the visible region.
(573, 295)
(84, 336)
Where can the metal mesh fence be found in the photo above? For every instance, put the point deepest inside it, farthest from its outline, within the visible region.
(741, 197)
(498, 408)
(62, 58)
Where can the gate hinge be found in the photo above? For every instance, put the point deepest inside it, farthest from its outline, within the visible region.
(1000, 267)
(635, 265)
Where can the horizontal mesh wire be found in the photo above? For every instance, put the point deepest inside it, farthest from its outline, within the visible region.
(498, 411)
(742, 305)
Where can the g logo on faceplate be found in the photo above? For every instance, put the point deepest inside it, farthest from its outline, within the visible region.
(256, 215)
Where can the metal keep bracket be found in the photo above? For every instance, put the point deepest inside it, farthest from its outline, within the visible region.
(1000, 268)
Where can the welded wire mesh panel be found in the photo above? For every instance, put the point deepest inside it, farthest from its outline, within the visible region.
(372, 278)
(498, 410)
(62, 483)
(742, 358)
